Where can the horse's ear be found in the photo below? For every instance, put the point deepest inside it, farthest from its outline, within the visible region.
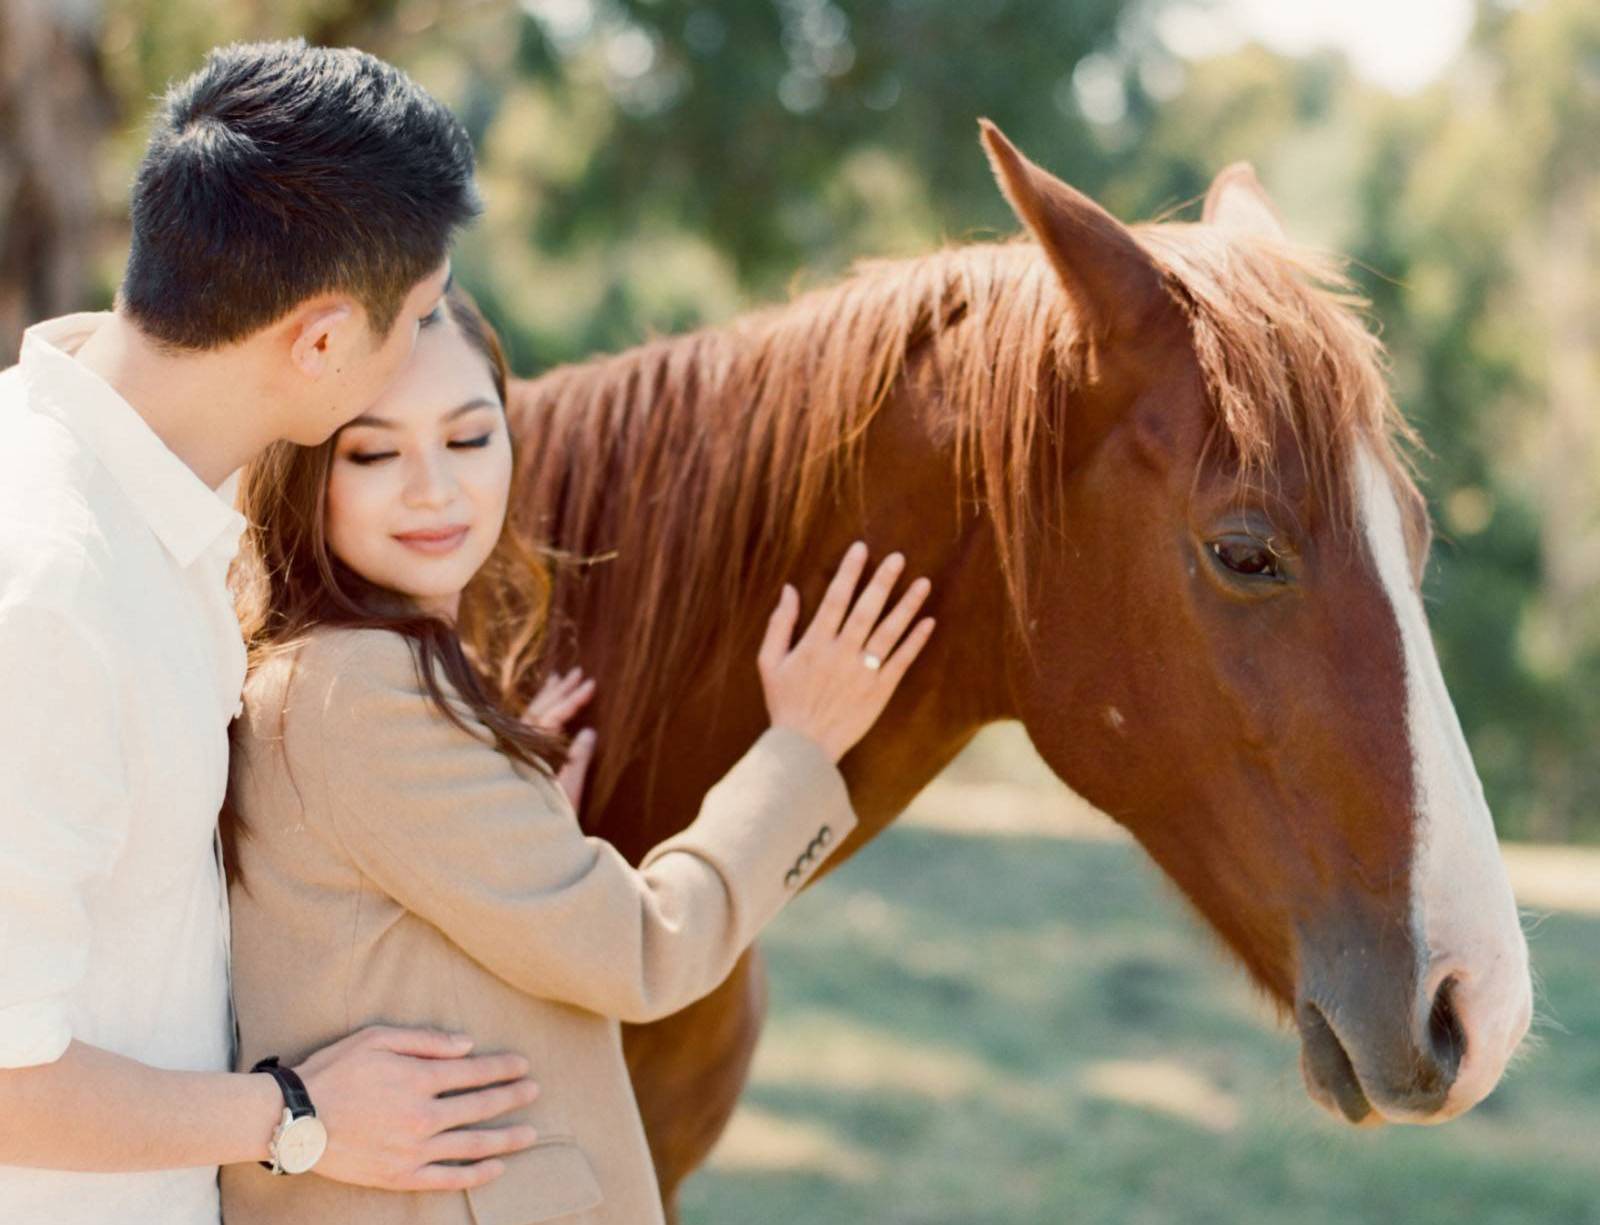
(1238, 202)
(1104, 270)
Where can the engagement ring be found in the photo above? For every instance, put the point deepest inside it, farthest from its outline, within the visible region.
(872, 661)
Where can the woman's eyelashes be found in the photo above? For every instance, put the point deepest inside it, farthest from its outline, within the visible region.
(373, 457)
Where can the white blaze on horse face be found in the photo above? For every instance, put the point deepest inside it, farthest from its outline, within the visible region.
(1463, 912)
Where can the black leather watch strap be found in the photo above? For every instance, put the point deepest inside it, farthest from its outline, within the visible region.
(293, 1088)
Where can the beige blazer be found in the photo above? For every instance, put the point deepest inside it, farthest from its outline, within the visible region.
(401, 871)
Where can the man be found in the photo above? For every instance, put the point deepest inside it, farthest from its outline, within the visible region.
(291, 226)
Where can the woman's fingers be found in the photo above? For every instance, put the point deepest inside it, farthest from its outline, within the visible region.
(836, 600)
(571, 777)
(895, 666)
(780, 629)
(869, 604)
(559, 698)
(894, 624)
(570, 703)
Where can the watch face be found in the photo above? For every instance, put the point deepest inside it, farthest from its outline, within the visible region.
(300, 1144)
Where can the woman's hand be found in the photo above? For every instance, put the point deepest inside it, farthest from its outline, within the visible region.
(835, 682)
(572, 775)
(558, 700)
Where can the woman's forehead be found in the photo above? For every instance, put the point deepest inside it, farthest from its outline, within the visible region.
(443, 373)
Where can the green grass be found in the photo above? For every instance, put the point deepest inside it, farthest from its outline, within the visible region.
(1028, 1030)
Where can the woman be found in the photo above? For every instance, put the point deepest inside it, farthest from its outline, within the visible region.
(405, 851)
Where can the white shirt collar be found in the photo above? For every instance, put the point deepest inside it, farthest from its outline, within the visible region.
(186, 516)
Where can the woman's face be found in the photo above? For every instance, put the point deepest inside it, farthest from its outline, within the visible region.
(417, 492)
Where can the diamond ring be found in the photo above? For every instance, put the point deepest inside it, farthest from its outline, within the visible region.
(872, 661)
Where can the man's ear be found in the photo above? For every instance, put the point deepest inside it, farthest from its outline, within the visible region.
(1238, 202)
(1105, 272)
(321, 336)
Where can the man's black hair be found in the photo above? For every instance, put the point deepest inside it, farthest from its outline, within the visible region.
(279, 171)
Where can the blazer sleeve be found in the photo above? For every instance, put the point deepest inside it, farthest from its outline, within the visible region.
(494, 857)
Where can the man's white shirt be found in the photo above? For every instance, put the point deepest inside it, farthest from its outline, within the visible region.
(121, 666)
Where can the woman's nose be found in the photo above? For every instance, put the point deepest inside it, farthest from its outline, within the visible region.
(428, 484)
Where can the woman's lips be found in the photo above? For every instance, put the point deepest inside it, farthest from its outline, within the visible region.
(434, 541)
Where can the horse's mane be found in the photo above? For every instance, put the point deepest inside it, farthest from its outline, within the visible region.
(710, 454)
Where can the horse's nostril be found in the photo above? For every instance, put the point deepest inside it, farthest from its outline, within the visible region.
(1447, 1040)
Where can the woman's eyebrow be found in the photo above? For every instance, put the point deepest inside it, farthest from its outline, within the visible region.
(383, 423)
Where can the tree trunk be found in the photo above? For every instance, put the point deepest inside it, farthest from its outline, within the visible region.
(54, 109)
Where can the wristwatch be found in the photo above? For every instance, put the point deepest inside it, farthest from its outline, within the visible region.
(299, 1139)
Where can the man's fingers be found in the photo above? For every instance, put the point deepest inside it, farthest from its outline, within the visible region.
(420, 1043)
(454, 1177)
(481, 1105)
(478, 1144)
(454, 1075)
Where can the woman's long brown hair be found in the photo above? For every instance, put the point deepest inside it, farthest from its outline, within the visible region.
(287, 583)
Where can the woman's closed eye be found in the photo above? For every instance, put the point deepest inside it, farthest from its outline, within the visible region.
(373, 457)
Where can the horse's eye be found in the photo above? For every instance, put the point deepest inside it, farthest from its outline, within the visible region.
(1247, 555)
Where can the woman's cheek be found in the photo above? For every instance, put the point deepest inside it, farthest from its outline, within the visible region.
(501, 494)
(354, 501)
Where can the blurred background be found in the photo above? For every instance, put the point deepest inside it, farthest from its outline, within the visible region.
(998, 1011)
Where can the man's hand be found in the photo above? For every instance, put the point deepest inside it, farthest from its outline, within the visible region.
(378, 1094)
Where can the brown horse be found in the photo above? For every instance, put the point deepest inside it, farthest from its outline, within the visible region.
(1154, 475)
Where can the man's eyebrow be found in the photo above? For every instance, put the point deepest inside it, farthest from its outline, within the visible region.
(383, 423)
(449, 280)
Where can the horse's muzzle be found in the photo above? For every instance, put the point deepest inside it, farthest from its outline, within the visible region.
(1378, 1040)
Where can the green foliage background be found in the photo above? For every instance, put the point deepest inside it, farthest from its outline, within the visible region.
(650, 165)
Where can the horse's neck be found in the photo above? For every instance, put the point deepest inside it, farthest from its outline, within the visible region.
(907, 501)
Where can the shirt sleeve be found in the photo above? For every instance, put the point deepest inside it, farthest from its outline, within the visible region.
(494, 858)
(63, 821)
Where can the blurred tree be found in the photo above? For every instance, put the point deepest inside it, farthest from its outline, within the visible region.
(54, 108)
(1481, 204)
